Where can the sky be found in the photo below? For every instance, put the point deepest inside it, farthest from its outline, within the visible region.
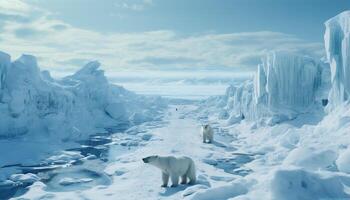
(162, 34)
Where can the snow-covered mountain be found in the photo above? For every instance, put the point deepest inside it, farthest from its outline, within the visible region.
(33, 103)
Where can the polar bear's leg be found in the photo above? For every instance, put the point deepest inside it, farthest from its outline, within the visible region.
(204, 137)
(210, 137)
(191, 173)
(183, 179)
(174, 180)
(165, 178)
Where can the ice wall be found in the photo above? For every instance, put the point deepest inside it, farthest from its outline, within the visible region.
(287, 80)
(337, 44)
(33, 103)
(284, 84)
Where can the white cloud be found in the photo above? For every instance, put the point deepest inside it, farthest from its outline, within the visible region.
(135, 5)
(61, 47)
(14, 7)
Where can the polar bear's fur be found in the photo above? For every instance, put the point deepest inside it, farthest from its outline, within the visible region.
(207, 133)
(174, 167)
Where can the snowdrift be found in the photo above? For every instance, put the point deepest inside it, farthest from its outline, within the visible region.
(32, 103)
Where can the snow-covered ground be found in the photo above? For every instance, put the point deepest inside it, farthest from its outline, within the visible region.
(284, 161)
(125, 176)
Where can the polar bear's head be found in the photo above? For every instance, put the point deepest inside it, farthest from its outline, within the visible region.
(205, 127)
(150, 159)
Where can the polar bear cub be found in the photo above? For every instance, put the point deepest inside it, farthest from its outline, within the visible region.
(207, 133)
(174, 167)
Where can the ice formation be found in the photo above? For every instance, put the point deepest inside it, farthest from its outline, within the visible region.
(284, 85)
(31, 102)
(337, 43)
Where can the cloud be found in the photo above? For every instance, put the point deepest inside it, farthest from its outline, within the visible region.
(249, 60)
(164, 61)
(63, 48)
(59, 27)
(27, 33)
(14, 7)
(74, 62)
(135, 5)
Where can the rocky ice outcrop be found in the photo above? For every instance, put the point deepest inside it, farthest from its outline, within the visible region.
(33, 103)
(284, 85)
(337, 43)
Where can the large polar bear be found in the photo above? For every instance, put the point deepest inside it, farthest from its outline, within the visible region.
(174, 167)
(207, 133)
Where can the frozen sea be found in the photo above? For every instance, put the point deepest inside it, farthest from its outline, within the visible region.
(190, 85)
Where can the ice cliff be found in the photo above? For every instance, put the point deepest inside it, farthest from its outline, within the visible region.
(284, 85)
(33, 103)
(337, 44)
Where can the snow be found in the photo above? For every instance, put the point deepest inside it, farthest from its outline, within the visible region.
(70, 181)
(242, 163)
(343, 161)
(311, 158)
(298, 184)
(236, 188)
(24, 178)
(132, 179)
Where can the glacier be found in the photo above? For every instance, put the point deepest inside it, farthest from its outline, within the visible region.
(337, 40)
(284, 85)
(32, 102)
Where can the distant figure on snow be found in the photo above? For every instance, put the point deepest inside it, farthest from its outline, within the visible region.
(176, 109)
(174, 167)
(208, 133)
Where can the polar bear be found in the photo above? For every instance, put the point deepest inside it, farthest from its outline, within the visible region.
(174, 167)
(207, 133)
